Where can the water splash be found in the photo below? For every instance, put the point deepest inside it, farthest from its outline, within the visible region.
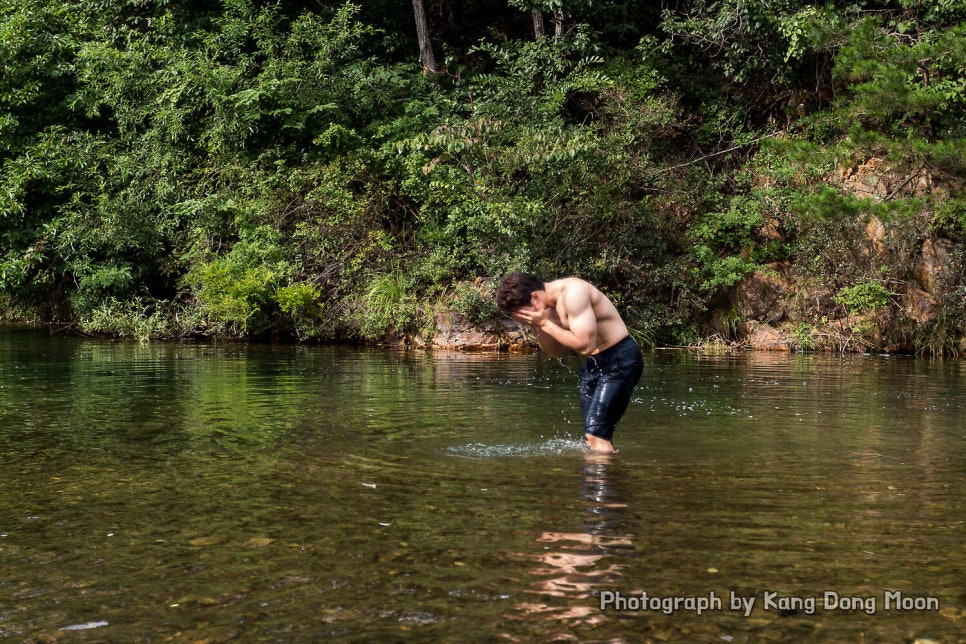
(566, 366)
(84, 627)
(551, 447)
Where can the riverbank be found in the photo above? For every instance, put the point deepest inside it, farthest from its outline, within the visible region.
(767, 312)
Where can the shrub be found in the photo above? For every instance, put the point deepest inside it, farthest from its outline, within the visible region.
(864, 296)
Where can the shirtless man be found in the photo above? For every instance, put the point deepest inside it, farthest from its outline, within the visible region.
(569, 314)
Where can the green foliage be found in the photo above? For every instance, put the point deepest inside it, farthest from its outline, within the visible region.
(805, 336)
(945, 335)
(723, 271)
(731, 229)
(239, 292)
(136, 318)
(906, 80)
(748, 41)
(389, 306)
(474, 303)
(725, 243)
(295, 298)
(37, 44)
(265, 169)
(865, 296)
(233, 294)
(949, 218)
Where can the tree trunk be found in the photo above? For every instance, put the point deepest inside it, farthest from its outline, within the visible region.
(538, 31)
(426, 57)
(558, 19)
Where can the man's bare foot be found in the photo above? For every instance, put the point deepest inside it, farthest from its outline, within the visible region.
(599, 444)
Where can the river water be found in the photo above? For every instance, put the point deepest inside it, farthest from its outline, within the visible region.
(214, 493)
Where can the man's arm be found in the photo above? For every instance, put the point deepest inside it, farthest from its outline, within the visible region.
(547, 344)
(582, 334)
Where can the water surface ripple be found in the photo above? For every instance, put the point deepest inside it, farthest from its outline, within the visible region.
(182, 492)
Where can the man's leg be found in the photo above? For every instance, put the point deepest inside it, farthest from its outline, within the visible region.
(594, 401)
(609, 400)
(599, 444)
(589, 400)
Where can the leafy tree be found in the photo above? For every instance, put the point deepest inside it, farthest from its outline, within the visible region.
(254, 168)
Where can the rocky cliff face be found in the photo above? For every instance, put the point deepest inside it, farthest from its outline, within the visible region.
(916, 274)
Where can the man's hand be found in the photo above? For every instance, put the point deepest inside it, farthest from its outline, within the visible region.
(538, 321)
(531, 316)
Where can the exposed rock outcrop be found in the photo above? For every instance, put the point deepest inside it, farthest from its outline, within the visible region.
(877, 180)
(764, 337)
(455, 332)
(913, 270)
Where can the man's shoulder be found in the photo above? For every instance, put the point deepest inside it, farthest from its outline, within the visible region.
(576, 284)
(576, 293)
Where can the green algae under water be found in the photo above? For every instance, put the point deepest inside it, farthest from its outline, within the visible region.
(180, 492)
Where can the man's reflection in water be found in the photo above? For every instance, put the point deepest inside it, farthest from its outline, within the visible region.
(579, 564)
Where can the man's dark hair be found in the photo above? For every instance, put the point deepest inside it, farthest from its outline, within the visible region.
(515, 291)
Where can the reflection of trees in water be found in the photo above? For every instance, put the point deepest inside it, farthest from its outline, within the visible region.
(579, 564)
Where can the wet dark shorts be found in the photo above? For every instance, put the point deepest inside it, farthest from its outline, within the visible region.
(606, 382)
